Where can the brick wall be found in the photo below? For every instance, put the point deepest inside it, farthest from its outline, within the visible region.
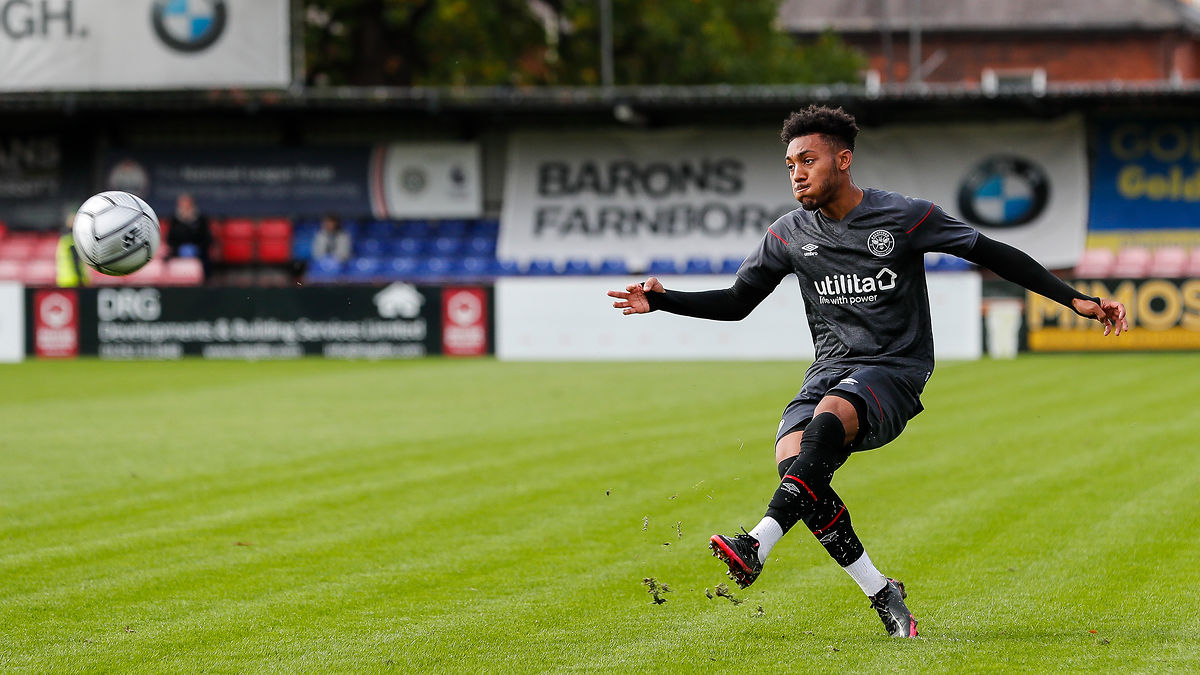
(1066, 58)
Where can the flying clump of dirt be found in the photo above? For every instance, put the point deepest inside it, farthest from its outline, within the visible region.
(722, 591)
(656, 589)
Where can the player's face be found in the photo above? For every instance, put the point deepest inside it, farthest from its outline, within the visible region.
(815, 166)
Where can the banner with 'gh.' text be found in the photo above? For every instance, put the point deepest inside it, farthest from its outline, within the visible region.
(143, 44)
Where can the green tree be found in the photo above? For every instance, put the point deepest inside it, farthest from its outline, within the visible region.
(557, 42)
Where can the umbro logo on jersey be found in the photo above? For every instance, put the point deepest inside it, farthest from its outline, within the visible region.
(809, 249)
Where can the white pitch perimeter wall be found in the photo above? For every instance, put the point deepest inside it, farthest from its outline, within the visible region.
(572, 319)
(12, 322)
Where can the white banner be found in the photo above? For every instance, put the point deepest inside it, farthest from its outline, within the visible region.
(143, 44)
(640, 195)
(12, 322)
(1022, 183)
(426, 180)
(573, 319)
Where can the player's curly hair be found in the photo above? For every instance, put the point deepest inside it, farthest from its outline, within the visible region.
(834, 123)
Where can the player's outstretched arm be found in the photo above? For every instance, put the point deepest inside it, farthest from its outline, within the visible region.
(633, 299)
(1108, 312)
(726, 304)
(1016, 266)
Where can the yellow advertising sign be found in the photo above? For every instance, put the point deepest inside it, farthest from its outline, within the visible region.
(1163, 314)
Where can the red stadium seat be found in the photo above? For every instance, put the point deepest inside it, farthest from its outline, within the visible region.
(11, 270)
(238, 228)
(1169, 261)
(99, 279)
(275, 240)
(183, 272)
(275, 228)
(236, 240)
(17, 247)
(40, 273)
(150, 275)
(237, 251)
(1132, 262)
(1095, 263)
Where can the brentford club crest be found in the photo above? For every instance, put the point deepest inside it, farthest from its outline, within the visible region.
(881, 242)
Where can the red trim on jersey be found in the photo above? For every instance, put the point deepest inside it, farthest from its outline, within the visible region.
(777, 236)
(921, 220)
(835, 519)
(876, 401)
(810, 492)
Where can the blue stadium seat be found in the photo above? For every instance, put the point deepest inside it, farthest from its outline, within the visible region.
(362, 269)
(480, 245)
(944, 262)
(577, 267)
(452, 229)
(354, 228)
(475, 267)
(662, 266)
(541, 267)
(380, 229)
(613, 266)
(486, 228)
(400, 268)
(446, 246)
(370, 247)
(730, 265)
(698, 266)
(188, 251)
(323, 271)
(415, 229)
(434, 268)
(302, 247)
(408, 247)
(505, 268)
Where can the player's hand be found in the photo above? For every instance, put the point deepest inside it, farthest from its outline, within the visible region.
(633, 300)
(1109, 312)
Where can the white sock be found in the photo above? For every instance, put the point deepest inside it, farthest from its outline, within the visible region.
(768, 532)
(863, 571)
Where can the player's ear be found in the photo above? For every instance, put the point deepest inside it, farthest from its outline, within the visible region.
(845, 158)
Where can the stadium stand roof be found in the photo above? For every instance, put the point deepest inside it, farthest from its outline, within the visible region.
(558, 99)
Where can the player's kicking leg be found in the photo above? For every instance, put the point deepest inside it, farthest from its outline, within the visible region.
(805, 494)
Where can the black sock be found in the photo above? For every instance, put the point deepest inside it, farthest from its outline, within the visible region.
(805, 493)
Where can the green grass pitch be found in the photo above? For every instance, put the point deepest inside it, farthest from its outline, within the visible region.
(471, 515)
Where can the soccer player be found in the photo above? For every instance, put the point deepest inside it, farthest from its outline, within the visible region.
(858, 256)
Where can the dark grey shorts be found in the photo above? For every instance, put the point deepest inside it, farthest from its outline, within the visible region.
(891, 396)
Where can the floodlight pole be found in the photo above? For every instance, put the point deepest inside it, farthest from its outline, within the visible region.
(606, 60)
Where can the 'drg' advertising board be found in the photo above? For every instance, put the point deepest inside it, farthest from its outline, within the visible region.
(1163, 315)
(396, 321)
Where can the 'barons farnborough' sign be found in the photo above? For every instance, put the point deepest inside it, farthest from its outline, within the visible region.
(638, 196)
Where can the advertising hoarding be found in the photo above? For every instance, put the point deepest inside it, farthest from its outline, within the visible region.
(75, 45)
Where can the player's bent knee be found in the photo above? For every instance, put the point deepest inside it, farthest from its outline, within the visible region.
(845, 410)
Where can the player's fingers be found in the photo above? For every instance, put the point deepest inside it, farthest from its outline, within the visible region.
(633, 287)
(621, 303)
(618, 294)
(628, 311)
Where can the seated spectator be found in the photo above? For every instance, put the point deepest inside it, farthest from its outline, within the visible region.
(189, 226)
(332, 241)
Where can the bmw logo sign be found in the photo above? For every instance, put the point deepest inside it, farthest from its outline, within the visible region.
(1003, 191)
(189, 25)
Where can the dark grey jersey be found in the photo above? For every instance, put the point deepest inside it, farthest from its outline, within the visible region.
(862, 278)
